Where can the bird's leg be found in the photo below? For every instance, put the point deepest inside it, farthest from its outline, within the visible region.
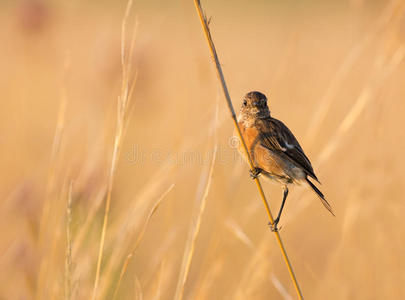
(254, 173)
(273, 226)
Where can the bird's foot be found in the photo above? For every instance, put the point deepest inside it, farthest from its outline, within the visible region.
(255, 173)
(273, 227)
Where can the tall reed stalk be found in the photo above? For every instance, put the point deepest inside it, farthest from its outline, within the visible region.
(204, 24)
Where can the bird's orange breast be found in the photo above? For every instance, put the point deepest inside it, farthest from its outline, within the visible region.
(261, 156)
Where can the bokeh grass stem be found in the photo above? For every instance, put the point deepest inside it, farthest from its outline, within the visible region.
(128, 82)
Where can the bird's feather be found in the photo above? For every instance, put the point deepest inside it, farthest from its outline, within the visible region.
(276, 137)
(321, 196)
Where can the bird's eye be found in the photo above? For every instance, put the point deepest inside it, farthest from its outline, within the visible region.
(244, 102)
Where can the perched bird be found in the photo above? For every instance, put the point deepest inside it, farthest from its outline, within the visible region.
(274, 150)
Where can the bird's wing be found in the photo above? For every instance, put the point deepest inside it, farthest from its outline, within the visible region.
(278, 138)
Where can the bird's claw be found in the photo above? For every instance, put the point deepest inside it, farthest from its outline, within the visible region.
(254, 173)
(273, 227)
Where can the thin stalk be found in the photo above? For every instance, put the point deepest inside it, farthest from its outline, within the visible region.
(138, 241)
(68, 258)
(122, 107)
(193, 233)
(204, 24)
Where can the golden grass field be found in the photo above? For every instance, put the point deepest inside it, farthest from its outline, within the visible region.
(180, 226)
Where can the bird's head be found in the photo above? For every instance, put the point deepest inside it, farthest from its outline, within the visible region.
(254, 105)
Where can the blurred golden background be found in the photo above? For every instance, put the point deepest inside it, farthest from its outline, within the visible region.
(333, 72)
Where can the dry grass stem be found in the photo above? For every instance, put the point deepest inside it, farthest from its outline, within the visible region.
(128, 83)
(341, 74)
(240, 234)
(193, 233)
(68, 259)
(139, 239)
(138, 289)
(369, 90)
(44, 233)
(280, 288)
(129, 222)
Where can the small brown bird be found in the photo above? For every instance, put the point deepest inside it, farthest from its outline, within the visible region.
(274, 150)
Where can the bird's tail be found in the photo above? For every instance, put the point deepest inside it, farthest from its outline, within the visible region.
(321, 196)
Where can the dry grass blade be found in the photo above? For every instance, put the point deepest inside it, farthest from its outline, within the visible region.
(193, 233)
(56, 146)
(68, 259)
(365, 96)
(138, 289)
(158, 292)
(344, 69)
(128, 83)
(127, 225)
(140, 237)
(84, 228)
(374, 83)
(240, 235)
(204, 24)
(210, 278)
(254, 271)
(280, 288)
(384, 66)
